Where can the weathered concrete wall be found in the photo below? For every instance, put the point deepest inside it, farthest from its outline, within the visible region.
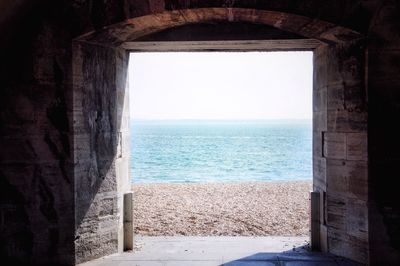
(37, 184)
(100, 118)
(36, 157)
(340, 149)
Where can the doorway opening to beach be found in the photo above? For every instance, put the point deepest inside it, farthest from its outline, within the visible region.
(100, 116)
(221, 143)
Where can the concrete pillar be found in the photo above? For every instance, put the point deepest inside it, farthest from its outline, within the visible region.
(128, 221)
(315, 221)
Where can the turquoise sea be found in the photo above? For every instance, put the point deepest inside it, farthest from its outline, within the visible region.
(220, 151)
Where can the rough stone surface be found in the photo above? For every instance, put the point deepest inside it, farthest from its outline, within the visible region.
(344, 146)
(45, 200)
(100, 149)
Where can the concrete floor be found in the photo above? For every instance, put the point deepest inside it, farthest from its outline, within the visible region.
(229, 251)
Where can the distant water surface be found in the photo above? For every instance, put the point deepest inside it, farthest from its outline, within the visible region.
(220, 151)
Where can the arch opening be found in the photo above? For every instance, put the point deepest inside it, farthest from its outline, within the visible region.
(100, 61)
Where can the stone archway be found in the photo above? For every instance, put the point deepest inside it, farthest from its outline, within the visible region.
(131, 29)
(100, 130)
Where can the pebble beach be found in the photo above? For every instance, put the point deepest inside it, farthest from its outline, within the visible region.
(222, 209)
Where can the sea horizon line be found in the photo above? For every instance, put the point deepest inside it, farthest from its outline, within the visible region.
(222, 120)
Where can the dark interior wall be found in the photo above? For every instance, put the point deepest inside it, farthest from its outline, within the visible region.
(36, 170)
(384, 144)
(222, 31)
(353, 14)
(37, 190)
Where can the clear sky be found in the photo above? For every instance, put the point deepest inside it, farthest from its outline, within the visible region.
(223, 85)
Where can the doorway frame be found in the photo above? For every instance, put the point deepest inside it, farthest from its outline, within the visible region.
(100, 61)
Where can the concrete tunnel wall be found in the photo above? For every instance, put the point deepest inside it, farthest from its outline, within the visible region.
(101, 149)
(40, 204)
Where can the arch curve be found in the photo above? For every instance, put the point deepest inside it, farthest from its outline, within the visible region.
(131, 29)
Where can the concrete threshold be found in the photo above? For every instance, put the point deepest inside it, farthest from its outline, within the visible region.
(229, 251)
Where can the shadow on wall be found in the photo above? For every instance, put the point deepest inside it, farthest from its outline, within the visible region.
(36, 197)
(99, 96)
(12, 205)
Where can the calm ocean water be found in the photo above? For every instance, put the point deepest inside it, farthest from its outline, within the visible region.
(220, 151)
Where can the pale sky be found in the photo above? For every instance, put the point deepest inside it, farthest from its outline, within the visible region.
(221, 85)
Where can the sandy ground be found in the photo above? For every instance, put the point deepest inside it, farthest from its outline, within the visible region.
(229, 209)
